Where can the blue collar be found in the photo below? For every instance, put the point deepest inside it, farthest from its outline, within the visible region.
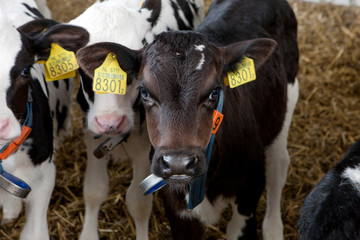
(197, 187)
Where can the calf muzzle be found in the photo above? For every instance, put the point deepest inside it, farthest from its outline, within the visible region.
(178, 165)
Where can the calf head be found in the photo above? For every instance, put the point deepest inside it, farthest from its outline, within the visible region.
(180, 75)
(21, 48)
(109, 114)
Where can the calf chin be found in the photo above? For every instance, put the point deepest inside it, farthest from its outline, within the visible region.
(179, 166)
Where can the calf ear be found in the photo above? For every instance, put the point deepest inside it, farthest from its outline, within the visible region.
(41, 33)
(35, 27)
(91, 57)
(258, 49)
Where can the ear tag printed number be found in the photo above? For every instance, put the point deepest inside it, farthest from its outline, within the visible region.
(245, 72)
(109, 77)
(217, 119)
(61, 64)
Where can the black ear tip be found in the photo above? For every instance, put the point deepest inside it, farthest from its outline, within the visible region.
(270, 43)
(274, 43)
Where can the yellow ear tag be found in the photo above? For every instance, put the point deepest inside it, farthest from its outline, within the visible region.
(226, 80)
(245, 72)
(109, 77)
(61, 64)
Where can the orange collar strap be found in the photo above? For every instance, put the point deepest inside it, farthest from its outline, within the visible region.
(11, 147)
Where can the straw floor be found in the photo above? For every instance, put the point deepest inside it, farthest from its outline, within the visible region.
(325, 124)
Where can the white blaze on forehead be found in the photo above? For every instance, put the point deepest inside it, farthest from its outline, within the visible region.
(353, 174)
(200, 48)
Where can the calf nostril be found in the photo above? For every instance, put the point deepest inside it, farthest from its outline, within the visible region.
(165, 162)
(191, 164)
(120, 121)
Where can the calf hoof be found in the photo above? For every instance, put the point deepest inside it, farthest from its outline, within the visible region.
(89, 236)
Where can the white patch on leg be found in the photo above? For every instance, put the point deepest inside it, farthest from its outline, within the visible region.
(235, 227)
(277, 162)
(207, 212)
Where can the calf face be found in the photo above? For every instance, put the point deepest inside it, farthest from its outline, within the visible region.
(22, 48)
(109, 114)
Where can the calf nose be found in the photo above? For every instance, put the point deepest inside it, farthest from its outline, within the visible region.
(179, 165)
(109, 124)
(4, 128)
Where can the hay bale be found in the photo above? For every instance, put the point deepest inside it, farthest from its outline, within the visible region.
(324, 125)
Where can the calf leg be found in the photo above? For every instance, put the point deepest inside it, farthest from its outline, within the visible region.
(139, 206)
(277, 163)
(37, 202)
(95, 189)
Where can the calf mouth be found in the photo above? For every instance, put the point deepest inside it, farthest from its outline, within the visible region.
(180, 179)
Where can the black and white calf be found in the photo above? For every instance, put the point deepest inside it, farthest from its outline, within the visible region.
(331, 210)
(111, 114)
(21, 77)
(181, 78)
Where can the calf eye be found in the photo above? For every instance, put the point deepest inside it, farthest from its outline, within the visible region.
(214, 95)
(145, 95)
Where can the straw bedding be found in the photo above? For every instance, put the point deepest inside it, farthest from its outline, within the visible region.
(325, 125)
